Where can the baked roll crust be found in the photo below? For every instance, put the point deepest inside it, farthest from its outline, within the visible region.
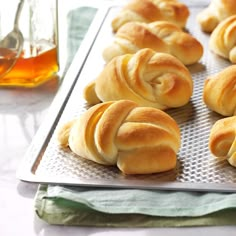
(139, 140)
(219, 92)
(222, 140)
(161, 36)
(152, 10)
(148, 78)
(223, 39)
(216, 12)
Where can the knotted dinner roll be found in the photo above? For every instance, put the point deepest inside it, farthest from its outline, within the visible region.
(161, 36)
(223, 39)
(139, 140)
(148, 78)
(217, 11)
(152, 10)
(222, 140)
(219, 92)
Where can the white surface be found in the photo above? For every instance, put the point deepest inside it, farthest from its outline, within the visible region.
(21, 113)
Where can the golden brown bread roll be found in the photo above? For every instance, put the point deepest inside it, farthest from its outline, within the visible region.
(139, 140)
(219, 92)
(152, 10)
(148, 78)
(160, 36)
(222, 140)
(217, 11)
(223, 39)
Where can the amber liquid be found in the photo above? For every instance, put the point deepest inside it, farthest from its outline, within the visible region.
(35, 66)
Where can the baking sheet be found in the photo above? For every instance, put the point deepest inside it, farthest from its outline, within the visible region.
(197, 169)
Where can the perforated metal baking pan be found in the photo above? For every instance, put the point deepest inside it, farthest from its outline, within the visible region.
(197, 169)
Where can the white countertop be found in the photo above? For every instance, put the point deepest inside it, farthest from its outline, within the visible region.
(21, 113)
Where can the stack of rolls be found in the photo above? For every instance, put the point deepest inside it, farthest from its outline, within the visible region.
(219, 94)
(146, 73)
(219, 91)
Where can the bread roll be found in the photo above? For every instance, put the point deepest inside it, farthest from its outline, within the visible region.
(139, 140)
(223, 39)
(217, 11)
(161, 36)
(219, 92)
(148, 78)
(152, 10)
(222, 142)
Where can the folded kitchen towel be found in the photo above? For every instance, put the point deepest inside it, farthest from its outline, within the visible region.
(78, 21)
(133, 207)
(66, 205)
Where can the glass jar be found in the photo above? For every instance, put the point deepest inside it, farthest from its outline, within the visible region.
(38, 59)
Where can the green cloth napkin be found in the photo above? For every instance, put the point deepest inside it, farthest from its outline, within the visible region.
(127, 207)
(133, 207)
(78, 24)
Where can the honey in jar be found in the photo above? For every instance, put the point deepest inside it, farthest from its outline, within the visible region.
(34, 67)
(38, 60)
